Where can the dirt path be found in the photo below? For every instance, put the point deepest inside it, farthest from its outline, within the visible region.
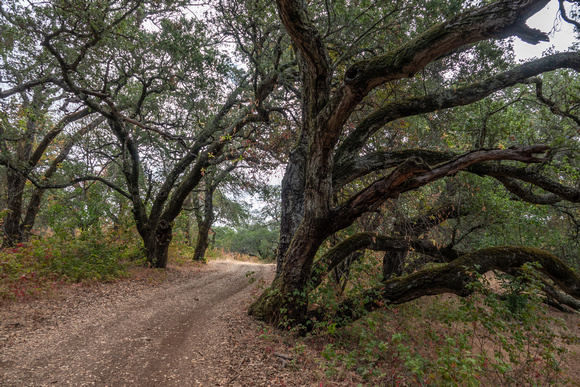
(175, 335)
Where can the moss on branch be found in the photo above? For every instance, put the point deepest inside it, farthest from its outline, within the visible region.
(456, 276)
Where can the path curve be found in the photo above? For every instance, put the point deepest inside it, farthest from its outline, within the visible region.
(174, 336)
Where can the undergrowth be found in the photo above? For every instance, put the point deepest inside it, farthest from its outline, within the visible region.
(95, 255)
(34, 268)
(501, 336)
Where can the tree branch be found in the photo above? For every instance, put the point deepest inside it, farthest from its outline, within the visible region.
(449, 98)
(415, 173)
(376, 242)
(565, 15)
(352, 168)
(25, 86)
(456, 276)
(508, 173)
(498, 20)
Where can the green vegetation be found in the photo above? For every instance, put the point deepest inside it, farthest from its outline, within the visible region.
(254, 240)
(33, 268)
(417, 154)
(502, 334)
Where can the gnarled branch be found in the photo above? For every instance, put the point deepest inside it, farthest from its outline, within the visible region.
(456, 276)
(414, 174)
(505, 172)
(448, 98)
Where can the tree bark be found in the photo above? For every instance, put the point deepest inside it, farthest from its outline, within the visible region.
(292, 187)
(13, 231)
(158, 247)
(287, 300)
(16, 174)
(456, 276)
(204, 223)
(327, 111)
(292, 206)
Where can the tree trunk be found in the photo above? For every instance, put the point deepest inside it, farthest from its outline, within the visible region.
(292, 194)
(157, 249)
(204, 223)
(286, 301)
(292, 205)
(31, 213)
(16, 181)
(13, 232)
(188, 230)
(202, 242)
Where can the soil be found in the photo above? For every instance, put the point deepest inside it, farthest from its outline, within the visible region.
(185, 327)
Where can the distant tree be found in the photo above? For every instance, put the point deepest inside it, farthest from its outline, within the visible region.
(33, 145)
(173, 103)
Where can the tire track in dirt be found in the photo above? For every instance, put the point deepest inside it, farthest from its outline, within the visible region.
(174, 337)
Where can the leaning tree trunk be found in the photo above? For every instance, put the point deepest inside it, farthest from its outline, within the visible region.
(13, 232)
(204, 224)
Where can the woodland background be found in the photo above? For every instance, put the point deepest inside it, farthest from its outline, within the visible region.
(412, 152)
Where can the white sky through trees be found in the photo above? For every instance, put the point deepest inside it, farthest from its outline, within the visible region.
(562, 34)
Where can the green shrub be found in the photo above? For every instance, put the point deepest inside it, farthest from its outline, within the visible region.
(502, 338)
(33, 268)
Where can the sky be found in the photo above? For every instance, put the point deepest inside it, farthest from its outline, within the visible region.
(546, 20)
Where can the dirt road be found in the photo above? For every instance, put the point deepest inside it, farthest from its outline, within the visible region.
(175, 335)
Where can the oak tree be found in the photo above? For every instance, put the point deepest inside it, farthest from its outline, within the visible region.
(404, 43)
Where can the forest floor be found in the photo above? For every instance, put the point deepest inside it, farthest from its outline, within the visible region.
(184, 326)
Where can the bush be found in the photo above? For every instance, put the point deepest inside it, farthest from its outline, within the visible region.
(33, 268)
(502, 338)
(256, 239)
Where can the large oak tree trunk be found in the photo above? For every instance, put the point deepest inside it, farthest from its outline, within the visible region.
(292, 200)
(157, 248)
(13, 230)
(292, 203)
(287, 300)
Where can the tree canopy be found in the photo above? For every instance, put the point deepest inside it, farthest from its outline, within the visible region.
(404, 128)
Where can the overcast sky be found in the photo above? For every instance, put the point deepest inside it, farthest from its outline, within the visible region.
(546, 20)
